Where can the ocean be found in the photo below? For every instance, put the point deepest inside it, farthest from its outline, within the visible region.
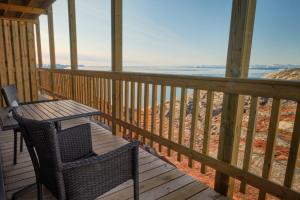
(255, 71)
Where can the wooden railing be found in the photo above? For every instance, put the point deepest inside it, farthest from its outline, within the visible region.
(174, 114)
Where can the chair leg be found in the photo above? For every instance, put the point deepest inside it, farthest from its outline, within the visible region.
(15, 146)
(58, 125)
(21, 143)
(135, 189)
(40, 191)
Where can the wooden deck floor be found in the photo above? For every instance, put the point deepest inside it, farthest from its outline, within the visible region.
(158, 180)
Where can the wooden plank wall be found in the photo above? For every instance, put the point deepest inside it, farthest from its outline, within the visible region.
(18, 58)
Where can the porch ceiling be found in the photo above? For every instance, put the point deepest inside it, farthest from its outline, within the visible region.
(24, 9)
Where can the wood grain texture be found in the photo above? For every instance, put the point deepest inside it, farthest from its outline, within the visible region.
(207, 126)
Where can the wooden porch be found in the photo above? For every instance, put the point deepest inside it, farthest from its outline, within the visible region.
(146, 107)
(158, 179)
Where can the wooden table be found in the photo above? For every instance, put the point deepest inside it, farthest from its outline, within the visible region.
(55, 111)
(52, 111)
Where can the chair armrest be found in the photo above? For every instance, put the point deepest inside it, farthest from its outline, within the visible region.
(38, 101)
(75, 142)
(96, 175)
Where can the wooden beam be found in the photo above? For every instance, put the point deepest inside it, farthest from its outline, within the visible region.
(116, 41)
(3, 68)
(39, 44)
(29, 3)
(17, 58)
(116, 35)
(32, 61)
(22, 9)
(72, 32)
(51, 45)
(238, 55)
(73, 40)
(18, 19)
(51, 38)
(9, 51)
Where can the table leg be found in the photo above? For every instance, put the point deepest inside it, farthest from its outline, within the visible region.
(15, 146)
(21, 143)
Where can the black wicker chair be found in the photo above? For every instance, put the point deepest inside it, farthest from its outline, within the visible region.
(10, 94)
(65, 163)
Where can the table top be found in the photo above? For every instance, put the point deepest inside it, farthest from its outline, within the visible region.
(52, 111)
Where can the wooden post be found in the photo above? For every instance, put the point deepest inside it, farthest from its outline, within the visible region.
(116, 41)
(73, 41)
(39, 49)
(51, 45)
(39, 45)
(238, 56)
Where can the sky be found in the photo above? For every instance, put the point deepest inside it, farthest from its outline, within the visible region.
(174, 32)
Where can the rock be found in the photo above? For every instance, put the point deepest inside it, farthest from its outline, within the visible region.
(263, 101)
(286, 125)
(189, 108)
(216, 112)
(287, 74)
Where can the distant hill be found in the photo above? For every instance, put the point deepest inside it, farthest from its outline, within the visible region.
(287, 74)
(61, 66)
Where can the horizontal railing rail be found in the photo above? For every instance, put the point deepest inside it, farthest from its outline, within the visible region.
(175, 114)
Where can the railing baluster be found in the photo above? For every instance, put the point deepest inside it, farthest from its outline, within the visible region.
(249, 138)
(154, 109)
(207, 126)
(162, 113)
(121, 104)
(194, 125)
(101, 96)
(146, 109)
(171, 116)
(126, 101)
(105, 99)
(182, 118)
(109, 100)
(269, 153)
(90, 90)
(139, 104)
(132, 105)
(294, 150)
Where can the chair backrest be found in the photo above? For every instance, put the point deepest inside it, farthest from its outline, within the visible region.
(42, 144)
(10, 94)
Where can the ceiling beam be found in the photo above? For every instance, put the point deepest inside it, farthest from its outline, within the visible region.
(22, 9)
(29, 3)
(19, 19)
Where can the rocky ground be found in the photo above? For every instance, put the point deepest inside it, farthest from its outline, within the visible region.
(287, 116)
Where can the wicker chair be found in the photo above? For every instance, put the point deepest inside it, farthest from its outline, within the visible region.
(10, 96)
(65, 163)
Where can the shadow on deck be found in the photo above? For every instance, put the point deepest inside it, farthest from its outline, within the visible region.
(158, 179)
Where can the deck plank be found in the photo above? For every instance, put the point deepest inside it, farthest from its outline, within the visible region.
(158, 179)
